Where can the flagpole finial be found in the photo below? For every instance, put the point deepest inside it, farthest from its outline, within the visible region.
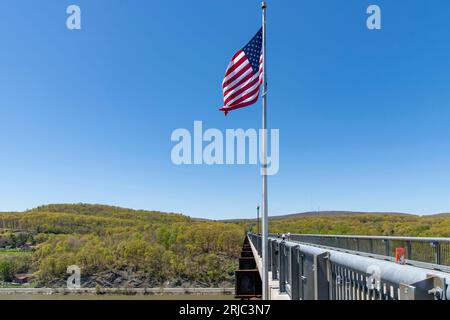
(264, 5)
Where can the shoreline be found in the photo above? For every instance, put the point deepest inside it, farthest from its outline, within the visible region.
(117, 291)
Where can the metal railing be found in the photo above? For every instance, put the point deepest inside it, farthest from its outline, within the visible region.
(435, 251)
(308, 272)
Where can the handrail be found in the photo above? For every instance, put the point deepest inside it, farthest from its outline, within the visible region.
(431, 239)
(313, 272)
(433, 250)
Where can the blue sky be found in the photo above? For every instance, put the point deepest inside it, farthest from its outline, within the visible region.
(86, 116)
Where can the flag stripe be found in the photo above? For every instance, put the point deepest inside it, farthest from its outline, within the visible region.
(250, 86)
(236, 63)
(237, 73)
(245, 96)
(243, 83)
(236, 83)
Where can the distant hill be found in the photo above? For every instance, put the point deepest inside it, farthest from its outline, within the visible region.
(336, 213)
(100, 210)
(444, 215)
(94, 209)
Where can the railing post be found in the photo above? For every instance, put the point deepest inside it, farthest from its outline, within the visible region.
(259, 244)
(357, 243)
(408, 250)
(321, 277)
(275, 257)
(295, 273)
(387, 246)
(439, 257)
(282, 267)
(437, 251)
(330, 278)
(428, 289)
(270, 255)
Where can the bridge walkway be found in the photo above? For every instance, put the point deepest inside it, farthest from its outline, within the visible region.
(314, 271)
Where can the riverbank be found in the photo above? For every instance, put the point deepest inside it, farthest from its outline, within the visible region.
(196, 292)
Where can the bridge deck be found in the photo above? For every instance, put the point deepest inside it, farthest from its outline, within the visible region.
(274, 285)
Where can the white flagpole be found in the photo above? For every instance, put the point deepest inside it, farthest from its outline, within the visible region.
(265, 215)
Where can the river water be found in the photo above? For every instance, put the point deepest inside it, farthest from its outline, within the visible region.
(114, 297)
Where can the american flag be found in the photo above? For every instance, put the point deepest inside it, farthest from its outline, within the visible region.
(244, 76)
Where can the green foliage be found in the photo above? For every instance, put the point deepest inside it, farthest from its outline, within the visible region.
(164, 247)
(6, 270)
(12, 263)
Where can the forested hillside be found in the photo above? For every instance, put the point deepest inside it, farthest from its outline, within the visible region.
(118, 247)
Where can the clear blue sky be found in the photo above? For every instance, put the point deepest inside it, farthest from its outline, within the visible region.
(86, 116)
